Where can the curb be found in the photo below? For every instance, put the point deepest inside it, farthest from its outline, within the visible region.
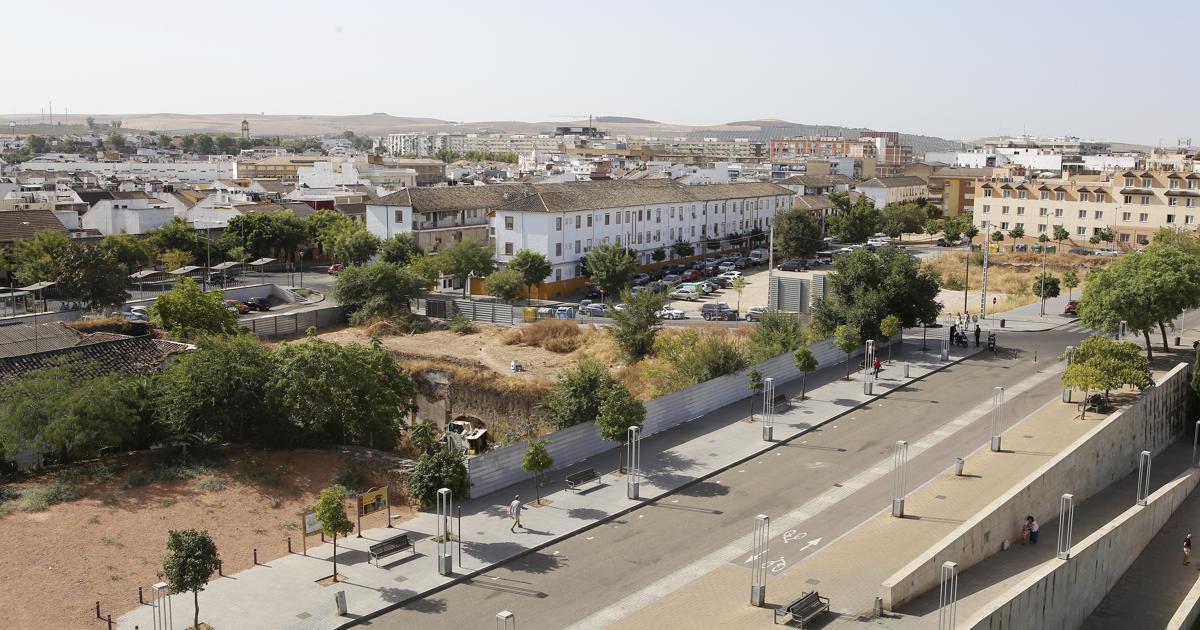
(459, 579)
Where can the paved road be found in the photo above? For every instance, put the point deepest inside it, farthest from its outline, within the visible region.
(585, 575)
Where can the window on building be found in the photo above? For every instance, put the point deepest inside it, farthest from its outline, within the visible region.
(399, 216)
(1003, 209)
(1098, 214)
(605, 218)
(1189, 219)
(1147, 182)
(1045, 195)
(508, 223)
(1191, 203)
(1020, 210)
(1128, 182)
(1058, 212)
(1172, 201)
(1124, 237)
(578, 246)
(558, 250)
(657, 235)
(1083, 214)
(1144, 217)
(1170, 219)
(1060, 196)
(1143, 239)
(1174, 184)
(986, 209)
(693, 231)
(658, 215)
(1006, 194)
(1042, 228)
(558, 224)
(1043, 212)
(1099, 197)
(1191, 184)
(578, 222)
(1085, 197)
(1021, 226)
(508, 248)
(1020, 194)
(589, 220)
(1126, 216)
(1081, 231)
(1128, 198)
(1004, 225)
(1145, 200)
(558, 275)
(987, 192)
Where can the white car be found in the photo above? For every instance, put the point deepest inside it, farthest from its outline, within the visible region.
(732, 275)
(876, 242)
(620, 307)
(670, 312)
(727, 267)
(1107, 252)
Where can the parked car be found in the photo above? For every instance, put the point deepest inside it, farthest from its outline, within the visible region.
(620, 307)
(1082, 251)
(335, 269)
(876, 242)
(593, 293)
(718, 311)
(671, 279)
(238, 306)
(673, 269)
(259, 304)
(754, 313)
(791, 265)
(721, 281)
(1107, 252)
(743, 263)
(599, 309)
(639, 279)
(1071, 307)
(824, 257)
(219, 278)
(727, 266)
(139, 310)
(689, 293)
(941, 242)
(731, 274)
(691, 275)
(670, 312)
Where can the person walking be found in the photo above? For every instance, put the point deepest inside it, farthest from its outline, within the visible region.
(1187, 549)
(1033, 530)
(876, 365)
(977, 331)
(514, 510)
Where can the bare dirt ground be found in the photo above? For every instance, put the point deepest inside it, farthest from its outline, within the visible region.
(57, 563)
(486, 346)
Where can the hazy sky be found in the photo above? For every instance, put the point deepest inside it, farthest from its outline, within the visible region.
(1114, 70)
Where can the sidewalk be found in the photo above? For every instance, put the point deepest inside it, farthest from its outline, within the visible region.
(284, 593)
(1028, 318)
(850, 569)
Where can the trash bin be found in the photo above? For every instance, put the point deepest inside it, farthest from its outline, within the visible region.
(1067, 395)
(531, 313)
(1177, 340)
(906, 366)
(1002, 323)
(340, 599)
(958, 466)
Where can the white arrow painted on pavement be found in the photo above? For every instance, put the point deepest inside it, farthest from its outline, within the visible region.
(812, 543)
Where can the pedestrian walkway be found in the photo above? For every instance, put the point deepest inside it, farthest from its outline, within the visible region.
(850, 570)
(980, 584)
(286, 592)
(1028, 318)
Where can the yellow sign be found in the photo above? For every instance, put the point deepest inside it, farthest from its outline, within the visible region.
(372, 501)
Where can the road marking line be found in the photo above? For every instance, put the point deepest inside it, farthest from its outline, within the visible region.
(668, 584)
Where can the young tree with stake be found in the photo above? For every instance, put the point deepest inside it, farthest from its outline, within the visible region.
(847, 339)
(191, 559)
(756, 386)
(890, 327)
(331, 514)
(805, 362)
(537, 461)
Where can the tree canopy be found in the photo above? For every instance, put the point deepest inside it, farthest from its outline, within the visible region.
(635, 327)
(401, 249)
(191, 559)
(187, 311)
(1100, 363)
(797, 233)
(868, 286)
(576, 396)
(215, 394)
(380, 288)
(464, 258)
(610, 268)
(93, 275)
(534, 267)
(505, 284)
(857, 222)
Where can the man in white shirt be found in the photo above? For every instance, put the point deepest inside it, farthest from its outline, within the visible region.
(514, 510)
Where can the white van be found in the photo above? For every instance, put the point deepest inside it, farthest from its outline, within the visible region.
(758, 256)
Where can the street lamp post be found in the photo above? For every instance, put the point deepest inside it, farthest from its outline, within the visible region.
(1043, 291)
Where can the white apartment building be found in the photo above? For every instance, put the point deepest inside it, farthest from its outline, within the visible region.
(565, 221)
(423, 144)
(1134, 204)
(194, 172)
(128, 212)
(888, 190)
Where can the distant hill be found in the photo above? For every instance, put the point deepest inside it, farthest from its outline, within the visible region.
(624, 119)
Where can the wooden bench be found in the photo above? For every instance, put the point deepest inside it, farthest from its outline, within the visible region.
(392, 545)
(804, 608)
(581, 477)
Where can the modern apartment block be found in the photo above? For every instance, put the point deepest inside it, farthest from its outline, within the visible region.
(890, 157)
(1134, 204)
(195, 172)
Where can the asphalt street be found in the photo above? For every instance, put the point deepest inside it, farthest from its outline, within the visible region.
(581, 578)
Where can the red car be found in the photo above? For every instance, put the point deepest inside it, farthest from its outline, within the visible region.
(1070, 308)
(241, 308)
(691, 275)
(334, 269)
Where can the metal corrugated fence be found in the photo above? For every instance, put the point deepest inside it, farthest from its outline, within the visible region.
(284, 324)
(500, 468)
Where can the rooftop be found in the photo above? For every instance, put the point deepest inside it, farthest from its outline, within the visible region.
(107, 355)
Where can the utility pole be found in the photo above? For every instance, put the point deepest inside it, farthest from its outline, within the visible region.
(1043, 291)
(987, 246)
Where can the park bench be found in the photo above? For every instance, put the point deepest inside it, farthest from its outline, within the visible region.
(392, 545)
(804, 608)
(581, 477)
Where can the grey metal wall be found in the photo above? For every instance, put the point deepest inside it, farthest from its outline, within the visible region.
(283, 324)
(499, 468)
(788, 294)
(485, 311)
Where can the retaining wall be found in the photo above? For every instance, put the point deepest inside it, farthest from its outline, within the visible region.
(1062, 593)
(1104, 455)
(499, 468)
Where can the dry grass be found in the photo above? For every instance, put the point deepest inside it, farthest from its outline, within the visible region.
(1011, 274)
(555, 335)
(114, 324)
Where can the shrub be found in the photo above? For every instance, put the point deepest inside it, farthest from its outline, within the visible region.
(42, 497)
(575, 398)
(462, 325)
(952, 281)
(440, 469)
(351, 479)
(776, 333)
(135, 480)
(177, 471)
(215, 483)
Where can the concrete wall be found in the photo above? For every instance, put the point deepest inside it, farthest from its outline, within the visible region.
(499, 468)
(1062, 593)
(1188, 612)
(1096, 460)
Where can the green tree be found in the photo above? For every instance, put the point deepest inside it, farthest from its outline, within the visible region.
(401, 249)
(618, 411)
(466, 258)
(1051, 284)
(847, 339)
(186, 311)
(797, 233)
(1100, 363)
(205, 143)
(868, 286)
(505, 284)
(900, 219)
(635, 327)
(163, 141)
(116, 141)
(331, 514)
(1184, 241)
(173, 259)
(932, 227)
(683, 249)
(997, 236)
(739, 285)
(806, 362)
(537, 460)
(39, 259)
(176, 234)
(318, 226)
(610, 267)
(889, 327)
(215, 394)
(951, 230)
(857, 223)
(576, 396)
(777, 333)
(354, 245)
(756, 385)
(380, 288)
(970, 232)
(423, 436)
(442, 468)
(352, 393)
(129, 250)
(1017, 233)
(38, 144)
(187, 143)
(658, 255)
(1061, 234)
(92, 274)
(533, 267)
(1070, 280)
(191, 559)
(226, 144)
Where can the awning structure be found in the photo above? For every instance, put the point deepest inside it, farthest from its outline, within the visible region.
(145, 273)
(38, 286)
(184, 270)
(260, 262)
(226, 265)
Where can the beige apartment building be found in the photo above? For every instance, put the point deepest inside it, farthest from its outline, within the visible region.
(1133, 203)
